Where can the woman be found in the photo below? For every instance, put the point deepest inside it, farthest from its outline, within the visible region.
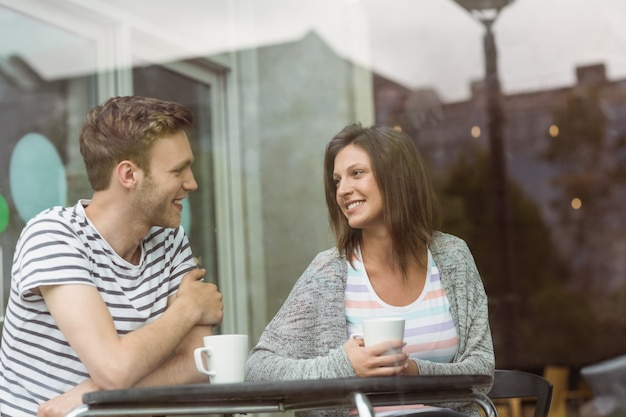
(389, 260)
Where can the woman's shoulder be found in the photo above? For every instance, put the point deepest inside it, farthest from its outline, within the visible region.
(446, 241)
(450, 251)
(329, 258)
(330, 255)
(327, 268)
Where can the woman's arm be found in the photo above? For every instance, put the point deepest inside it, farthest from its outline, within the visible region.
(304, 340)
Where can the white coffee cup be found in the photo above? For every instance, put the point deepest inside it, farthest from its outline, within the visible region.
(381, 329)
(225, 355)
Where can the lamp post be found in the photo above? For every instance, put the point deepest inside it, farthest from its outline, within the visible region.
(486, 12)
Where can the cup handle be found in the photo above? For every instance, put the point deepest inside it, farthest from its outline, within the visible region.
(197, 355)
(356, 336)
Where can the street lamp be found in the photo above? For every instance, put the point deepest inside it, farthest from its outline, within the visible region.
(486, 12)
(482, 6)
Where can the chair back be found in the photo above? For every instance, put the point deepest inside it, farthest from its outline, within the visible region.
(558, 375)
(519, 384)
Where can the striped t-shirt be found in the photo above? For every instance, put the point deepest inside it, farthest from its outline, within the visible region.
(61, 246)
(429, 330)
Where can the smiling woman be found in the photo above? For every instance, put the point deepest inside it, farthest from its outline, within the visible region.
(389, 261)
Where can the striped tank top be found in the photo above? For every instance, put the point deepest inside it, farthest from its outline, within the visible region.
(429, 331)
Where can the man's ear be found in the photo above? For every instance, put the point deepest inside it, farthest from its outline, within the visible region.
(128, 174)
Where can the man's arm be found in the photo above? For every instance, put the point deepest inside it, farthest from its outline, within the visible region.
(120, 362)
(179, 369)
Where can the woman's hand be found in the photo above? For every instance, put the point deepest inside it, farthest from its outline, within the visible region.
(375, 360)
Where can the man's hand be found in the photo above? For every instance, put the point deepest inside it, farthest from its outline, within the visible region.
(374, 360)
(63, 404)
(204, 296)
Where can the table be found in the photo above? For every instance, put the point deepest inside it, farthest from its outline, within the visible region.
(280, 396)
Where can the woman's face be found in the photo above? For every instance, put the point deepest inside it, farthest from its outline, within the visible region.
(357, 191)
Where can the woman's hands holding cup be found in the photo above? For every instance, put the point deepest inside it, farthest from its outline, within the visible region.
(376, 360)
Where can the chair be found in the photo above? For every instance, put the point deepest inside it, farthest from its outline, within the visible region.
(562, 395)
(508, 384)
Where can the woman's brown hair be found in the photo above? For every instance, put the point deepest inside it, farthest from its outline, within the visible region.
(411, 210)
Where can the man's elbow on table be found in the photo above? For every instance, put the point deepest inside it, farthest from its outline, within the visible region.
(114, 376)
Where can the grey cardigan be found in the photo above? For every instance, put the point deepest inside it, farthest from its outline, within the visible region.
(304, 340)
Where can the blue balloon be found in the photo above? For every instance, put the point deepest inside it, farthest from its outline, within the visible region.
(36, 176)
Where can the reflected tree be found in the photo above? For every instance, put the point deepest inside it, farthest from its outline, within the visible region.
(589, 182)
(554, 322)
(590, 156)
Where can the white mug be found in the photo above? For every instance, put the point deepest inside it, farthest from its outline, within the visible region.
(226, 356)
(381, 329)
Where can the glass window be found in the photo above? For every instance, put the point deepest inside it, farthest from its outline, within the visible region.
(40, 165)
(520, 113)
(199, 215)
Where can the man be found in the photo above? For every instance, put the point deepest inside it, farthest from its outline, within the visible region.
(106, 294)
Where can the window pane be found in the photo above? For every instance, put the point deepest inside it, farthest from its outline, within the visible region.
(41, 110)
(198, 212)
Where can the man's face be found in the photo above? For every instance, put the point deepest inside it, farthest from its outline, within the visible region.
(159, 197)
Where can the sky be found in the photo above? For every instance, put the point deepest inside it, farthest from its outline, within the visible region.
(430, 43)
(419, 43)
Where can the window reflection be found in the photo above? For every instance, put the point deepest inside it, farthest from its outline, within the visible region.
(37, 176)
(566, 205)
(38, 139)
(292, 85)
(199, 206)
